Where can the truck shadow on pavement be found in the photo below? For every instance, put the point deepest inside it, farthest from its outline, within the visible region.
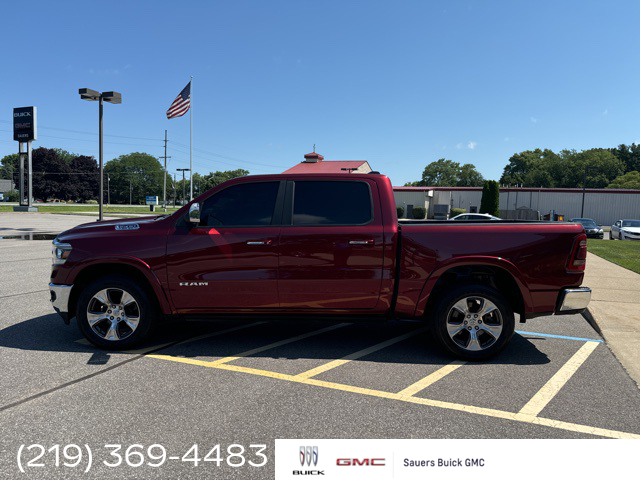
(209, 341)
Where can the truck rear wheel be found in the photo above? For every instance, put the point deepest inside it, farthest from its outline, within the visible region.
(114, 312)
(474, 322)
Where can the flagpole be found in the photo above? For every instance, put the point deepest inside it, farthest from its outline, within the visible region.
(191, 142)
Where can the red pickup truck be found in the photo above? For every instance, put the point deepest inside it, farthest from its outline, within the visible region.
(309, 246)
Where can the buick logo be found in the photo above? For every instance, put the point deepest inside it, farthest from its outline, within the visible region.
(308, 455)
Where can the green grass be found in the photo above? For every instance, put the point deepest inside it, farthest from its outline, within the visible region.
(624, 253)
(92, 208)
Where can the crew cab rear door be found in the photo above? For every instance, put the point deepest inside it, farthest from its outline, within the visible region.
(229, 261)
(331, 245)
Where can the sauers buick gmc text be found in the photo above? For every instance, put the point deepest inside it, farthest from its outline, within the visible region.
(309, 246)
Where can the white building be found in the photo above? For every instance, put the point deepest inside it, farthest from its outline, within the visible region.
(604, 205)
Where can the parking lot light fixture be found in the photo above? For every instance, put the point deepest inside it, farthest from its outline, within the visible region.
(111, 97)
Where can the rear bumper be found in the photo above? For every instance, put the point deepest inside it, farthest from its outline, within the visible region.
(60, 299)
(573, 300)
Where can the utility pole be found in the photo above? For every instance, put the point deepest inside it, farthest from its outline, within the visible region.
(183, 184)
(164, 190)
(130, 190)
(584, 186)
(174, 190)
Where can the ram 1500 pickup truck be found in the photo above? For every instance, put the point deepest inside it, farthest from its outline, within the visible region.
(309, 246)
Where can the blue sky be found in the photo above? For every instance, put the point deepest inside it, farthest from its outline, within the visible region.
(397, 83)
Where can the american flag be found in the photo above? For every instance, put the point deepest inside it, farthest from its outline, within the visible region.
(181, 104)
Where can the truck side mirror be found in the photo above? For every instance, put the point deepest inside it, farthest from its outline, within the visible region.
(194, 214)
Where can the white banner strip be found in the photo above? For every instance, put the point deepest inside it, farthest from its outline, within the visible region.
(455, 459)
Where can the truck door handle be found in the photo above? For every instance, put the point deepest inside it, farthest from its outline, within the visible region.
(259, 242)
(361, 242)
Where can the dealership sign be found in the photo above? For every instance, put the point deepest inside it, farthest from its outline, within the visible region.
(24, 124)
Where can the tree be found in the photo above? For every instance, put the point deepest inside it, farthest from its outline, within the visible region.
(544, 168)
(135, 176)
(447, 173)
(490, 201)
(522, 164)
(468, 176)
(601, 165)
(57, 174)
(8, 167)
(216, 178)
(629, 180)
(86, 179)
(629, 155)
(441, 173)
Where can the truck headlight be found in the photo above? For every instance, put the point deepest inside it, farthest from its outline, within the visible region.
(60, 252)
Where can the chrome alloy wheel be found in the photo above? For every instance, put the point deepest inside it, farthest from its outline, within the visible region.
(474, 323)
(113, 314)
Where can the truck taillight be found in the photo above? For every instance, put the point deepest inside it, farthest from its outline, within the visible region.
(578, 258)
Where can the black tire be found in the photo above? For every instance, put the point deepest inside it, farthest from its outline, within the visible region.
(492, 330)
(133, 321)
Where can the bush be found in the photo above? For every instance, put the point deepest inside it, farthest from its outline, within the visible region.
(12, 196)
(490, 198)
(419, 212)
(400, 212)
(457, 211)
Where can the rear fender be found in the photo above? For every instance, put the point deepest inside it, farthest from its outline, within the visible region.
(447, 265)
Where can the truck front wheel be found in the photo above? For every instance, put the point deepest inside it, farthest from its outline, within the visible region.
(474, 322)
(114, 312)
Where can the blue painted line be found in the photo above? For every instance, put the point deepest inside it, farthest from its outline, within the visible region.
(559, 336)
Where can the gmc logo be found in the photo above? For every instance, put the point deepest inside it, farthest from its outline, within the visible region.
(22, 114)
(369, 462)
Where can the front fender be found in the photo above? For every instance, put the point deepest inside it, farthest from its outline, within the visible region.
(140, 265)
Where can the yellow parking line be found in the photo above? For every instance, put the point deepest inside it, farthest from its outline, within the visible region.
(278, 344)
(489, 412)
(242, 354)
(562, 376)
(431, 379)
(354, 356)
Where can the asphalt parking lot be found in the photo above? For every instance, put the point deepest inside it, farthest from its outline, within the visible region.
(249, 383)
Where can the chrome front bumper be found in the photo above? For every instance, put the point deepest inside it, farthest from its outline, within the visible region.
(60, 299)
(573, 300)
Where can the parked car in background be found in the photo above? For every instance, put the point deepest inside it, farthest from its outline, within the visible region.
(591, 228)
(474, 216)
(626, 230)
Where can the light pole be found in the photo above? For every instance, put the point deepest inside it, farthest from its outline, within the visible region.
(111, 97)
(584, 187)
(108, 190)
(183, 170)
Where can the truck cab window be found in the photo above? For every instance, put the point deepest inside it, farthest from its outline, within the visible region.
(245, 204)
(332, 203)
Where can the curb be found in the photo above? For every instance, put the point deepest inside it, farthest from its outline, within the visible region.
(588, 316)
(591, 319)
